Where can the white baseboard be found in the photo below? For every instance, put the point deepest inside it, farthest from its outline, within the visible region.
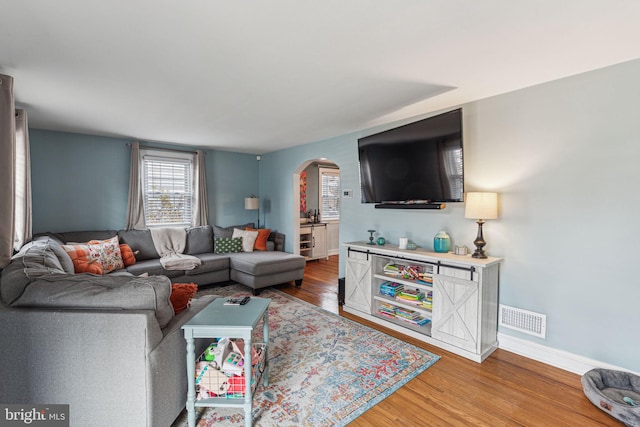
(552, 356)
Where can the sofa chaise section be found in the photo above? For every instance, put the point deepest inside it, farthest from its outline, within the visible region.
(262, 269)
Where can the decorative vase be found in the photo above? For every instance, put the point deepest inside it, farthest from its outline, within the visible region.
(442, 242)
(381, 241)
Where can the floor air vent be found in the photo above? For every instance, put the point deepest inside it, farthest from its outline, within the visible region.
(522, 320)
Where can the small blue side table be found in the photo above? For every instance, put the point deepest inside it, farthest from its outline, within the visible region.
(233, 321)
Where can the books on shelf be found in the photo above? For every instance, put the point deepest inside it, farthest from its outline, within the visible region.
(391, 289)
(421, 321)
(412, 292)
(425, 279)
(410, 295)
(390, 268)
(427, 302)
(401, 313)
(417, 303)
(406, 314)
(387, 309)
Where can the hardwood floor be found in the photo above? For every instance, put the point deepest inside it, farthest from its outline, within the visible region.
(505, 390)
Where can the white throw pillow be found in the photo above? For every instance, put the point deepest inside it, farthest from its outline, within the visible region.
(248, 238)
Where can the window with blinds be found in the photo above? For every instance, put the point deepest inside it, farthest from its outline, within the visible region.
(329, 194)
(168, 189)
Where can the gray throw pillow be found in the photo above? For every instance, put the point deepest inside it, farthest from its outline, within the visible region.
(139, 240)
(199, 240)
(227, 232)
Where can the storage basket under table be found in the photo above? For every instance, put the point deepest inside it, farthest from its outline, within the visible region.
(214, 382)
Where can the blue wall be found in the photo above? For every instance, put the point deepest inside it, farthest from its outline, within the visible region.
(81, 182)
(564, 158)
(230, 178)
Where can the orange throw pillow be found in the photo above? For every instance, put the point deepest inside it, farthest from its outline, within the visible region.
(128, 256)
(181, 294)
(261, 240)
(81, 258)
(87, 266)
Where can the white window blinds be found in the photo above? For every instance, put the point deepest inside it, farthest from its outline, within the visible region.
(329, 194)
(168, 189)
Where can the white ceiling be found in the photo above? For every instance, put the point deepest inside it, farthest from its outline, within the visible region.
(260, 75)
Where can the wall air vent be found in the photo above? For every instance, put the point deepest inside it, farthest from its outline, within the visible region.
(523, 321)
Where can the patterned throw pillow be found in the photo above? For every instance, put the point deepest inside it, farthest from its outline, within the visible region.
(106, 253)
(88, 256)
(224, 245)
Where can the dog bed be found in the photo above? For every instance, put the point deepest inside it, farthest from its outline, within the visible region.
(615, 392)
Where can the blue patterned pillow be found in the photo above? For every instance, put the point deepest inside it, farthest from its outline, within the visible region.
(225, 245)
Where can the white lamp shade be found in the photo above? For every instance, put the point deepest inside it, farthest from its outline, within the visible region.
(251, 203)
(481, 206)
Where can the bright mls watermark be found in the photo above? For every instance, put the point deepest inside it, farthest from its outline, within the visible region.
(34, 415)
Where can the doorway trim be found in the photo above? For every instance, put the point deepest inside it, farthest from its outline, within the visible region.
(296, 199)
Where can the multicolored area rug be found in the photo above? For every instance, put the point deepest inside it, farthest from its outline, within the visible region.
(325, 370)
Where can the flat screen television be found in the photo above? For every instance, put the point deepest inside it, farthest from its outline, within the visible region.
(418, 163)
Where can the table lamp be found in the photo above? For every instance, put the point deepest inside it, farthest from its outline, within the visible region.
(481, 206)
(251, 204)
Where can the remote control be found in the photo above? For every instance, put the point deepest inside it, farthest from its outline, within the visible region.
(245, 300)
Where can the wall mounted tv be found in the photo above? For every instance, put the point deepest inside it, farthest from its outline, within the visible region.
(418, 165)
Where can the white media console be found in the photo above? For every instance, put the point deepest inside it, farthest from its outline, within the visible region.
(464, 313)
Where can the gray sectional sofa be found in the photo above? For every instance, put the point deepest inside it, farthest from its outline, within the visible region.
(258, 269)
(111, 346)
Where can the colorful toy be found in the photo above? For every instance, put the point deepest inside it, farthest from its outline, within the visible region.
(209, 353)
(210, 381)
(233, 364)
(238, 347)
(411, 271)
(217, 352)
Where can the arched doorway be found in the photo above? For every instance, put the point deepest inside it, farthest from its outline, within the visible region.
(320, 285)
(316, 188)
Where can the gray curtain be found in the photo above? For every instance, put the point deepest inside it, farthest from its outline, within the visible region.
(135, 205)
(7, 169)
(201, 206)
(22, 182)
